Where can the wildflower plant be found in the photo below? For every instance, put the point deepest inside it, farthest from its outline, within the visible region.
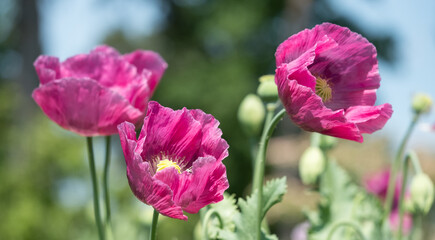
(325, 81)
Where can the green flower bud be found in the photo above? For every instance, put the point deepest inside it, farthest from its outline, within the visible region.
(267, 89)
(311, 165)
(327, 142)
(422, 193)
(251, 114)
(421, 103)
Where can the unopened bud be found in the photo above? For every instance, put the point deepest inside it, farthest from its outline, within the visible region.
(267, 89)
(327, 142)
(251, 114)
(311, 165)
(421, 103)
(422, 193)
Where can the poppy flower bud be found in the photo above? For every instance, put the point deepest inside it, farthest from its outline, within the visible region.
(251, 114)
(422, 193)
(421, 103)
(311, 165)
(267, 89)
(327, 142)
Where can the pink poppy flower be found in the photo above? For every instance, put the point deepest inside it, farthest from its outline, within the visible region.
(90, 94)
(327, 79)
(176, 164)
(394, 221)
(377, 184)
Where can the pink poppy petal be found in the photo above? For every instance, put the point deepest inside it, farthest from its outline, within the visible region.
(204, 185)
(147, 189)
(152, 191)
(149, 61)
(83, 106)
(369, 118)
(171, 134)
(395, 221)
(302, 42)
(47, 68)
(306, 109)
(212, 142)
(106, 50)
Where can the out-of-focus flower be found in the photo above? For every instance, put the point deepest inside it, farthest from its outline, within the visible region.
(300, 231)
(378, 185)
(176, 164)
(422, 193)
(251, 114)
(327, 79)
(394, 220)
(90, 94)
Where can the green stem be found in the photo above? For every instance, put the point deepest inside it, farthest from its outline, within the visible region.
(402, 195)
(395, 167)
(207, 218)
(342, 224)
(260, 160)
(106, 181)
(417, 231)
(154, 225)
(95, 188)
(415, 162)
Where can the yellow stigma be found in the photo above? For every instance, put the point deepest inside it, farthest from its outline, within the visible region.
(167, 163)
(323, 89)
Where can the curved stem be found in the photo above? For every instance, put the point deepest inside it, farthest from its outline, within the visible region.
(207, 218)
(106, 181)
(260, 160)
(342, 224)
(395, 167)
(95, 188)
(402, 194)
(154, 225)
(415, 162)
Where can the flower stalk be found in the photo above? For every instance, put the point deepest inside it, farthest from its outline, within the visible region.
(208, 216)
(98, 221)
(395, 167)
(270, 125)
(154, 225)
(106, 183)
(402, 195)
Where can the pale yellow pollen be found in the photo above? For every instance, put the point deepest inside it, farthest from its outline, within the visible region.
(323, 89)
(167, 163)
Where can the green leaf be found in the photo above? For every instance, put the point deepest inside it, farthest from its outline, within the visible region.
(273, 193)
(344, 201)
(243, 222)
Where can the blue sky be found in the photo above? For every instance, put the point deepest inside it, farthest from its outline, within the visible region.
(71, 27)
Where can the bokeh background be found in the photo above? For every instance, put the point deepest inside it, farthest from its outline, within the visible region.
(216, 50)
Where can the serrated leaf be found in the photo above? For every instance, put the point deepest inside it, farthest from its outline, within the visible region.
(245, 220)
(273, 192)
(344, 201)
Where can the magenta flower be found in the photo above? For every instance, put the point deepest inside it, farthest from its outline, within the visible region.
(90, 94)
(176, 164)
(327, 79)
(377, 184)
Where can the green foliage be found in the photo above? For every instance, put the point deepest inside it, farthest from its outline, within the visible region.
(241, 225)
(343, 201)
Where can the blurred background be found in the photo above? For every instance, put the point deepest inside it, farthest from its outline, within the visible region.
(216, 50)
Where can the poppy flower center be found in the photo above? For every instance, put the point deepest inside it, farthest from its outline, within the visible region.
(323, 89)
(167, 163)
